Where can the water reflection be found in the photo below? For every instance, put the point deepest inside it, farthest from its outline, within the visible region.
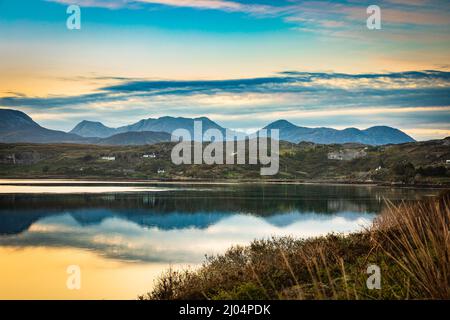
(173, 224)
(183, 224)
(180, 241)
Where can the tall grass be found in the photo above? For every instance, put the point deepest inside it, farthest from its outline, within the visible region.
(417, 238)
(410, 242)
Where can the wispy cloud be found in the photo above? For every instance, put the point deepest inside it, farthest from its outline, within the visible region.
(403, 88)
(322, 13)
(410, 99)
(402, 21)
(224, 5)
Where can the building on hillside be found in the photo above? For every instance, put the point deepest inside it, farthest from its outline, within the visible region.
(149, 156)
(346, 154)
(109, 158)
(335, 156)
(12, 158)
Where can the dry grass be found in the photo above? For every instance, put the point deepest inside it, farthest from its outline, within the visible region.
(417, 239)
(409, 242)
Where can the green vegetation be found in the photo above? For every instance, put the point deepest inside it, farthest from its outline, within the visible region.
(417, 163)
(410, 243)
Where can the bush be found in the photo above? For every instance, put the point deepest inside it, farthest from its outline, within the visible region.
(432, 171)
(88, 158)
(405, 171)
(410, 243)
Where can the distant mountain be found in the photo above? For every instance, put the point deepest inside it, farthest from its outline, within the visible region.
(93, 129)
(16, 126)
(136, 138)
(378, 135)
(170, 124)
(163, 124)
(15, 120)
(387, 135)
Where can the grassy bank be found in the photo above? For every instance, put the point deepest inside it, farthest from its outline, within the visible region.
(416, 164)
(410, 243)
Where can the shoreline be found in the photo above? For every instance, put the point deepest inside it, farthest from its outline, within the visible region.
(92, 181)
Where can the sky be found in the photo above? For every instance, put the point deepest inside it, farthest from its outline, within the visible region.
(241, 63)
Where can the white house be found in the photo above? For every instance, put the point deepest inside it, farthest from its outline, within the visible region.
(109, 158)
(149, 156)
(161, 171)
(335, 156)
(447, 162)
(346, 154)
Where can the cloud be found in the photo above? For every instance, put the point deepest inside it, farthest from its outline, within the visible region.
(412, 98)
(403, 88)
(322, 13)
(223, 5)
(406, 21)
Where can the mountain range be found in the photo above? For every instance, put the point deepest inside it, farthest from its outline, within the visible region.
(16, 126)
(89, 129)
(377, 135)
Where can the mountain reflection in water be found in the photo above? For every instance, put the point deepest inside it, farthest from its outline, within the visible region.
(123, 241)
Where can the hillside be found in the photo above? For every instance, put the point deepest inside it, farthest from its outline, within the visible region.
(16, 126)
(417, 163)
(136, 138)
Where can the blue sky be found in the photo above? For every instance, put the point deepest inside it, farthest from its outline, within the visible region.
(241, 63)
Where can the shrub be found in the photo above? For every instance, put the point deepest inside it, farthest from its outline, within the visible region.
(409, 242)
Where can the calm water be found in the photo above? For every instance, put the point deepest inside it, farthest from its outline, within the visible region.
(123, 236)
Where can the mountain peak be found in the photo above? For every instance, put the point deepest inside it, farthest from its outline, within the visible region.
(280, 124)
(16, 126)
(203, 119)
(387, 135)
(15, 119)
(89, 129)
(88, 122)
